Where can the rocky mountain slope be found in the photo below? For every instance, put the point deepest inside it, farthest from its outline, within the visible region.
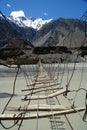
(60, 32)
(9, 37)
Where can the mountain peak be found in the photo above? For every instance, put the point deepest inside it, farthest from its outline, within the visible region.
(16, 14)
(19, 18)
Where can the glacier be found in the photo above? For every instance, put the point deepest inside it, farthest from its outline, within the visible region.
(19, 18)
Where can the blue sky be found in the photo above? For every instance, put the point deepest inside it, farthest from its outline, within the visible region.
(45, 9)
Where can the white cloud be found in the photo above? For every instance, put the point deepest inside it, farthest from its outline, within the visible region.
(45, 13)
(16, 14)
(8, 5)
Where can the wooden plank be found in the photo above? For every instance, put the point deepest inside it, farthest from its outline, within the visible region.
(37, 82)
(41, 107)
(40, 115)
(37, 97)
(40, 87)
(43, 81)
(42, 90)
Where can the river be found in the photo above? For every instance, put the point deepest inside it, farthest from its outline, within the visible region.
(78, 80)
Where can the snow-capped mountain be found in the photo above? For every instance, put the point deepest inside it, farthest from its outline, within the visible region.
(50, 35)
(19, 18)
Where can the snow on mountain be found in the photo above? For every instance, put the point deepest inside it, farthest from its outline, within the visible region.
(21, 20)
(16, 14)
(0, 15)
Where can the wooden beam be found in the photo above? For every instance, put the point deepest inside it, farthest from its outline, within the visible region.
(42, 90)
(41, 82)
(40, 87)
(41, 107)
(25, 98)
(40, 115)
